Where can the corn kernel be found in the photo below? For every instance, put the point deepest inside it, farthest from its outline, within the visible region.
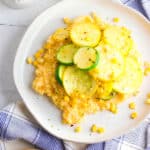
(88, 19)
(147, 68)
(41, 50)
(148, 95)
(147, 101)
(38, 72)
(67, 21)
(96, 18)
(38, 53)
(29, 60)
(35, 63)
(83, 96)
(133, 115)
(107, 106)
(40, 60)
(94, 128)
(113, 108)
(66, 98)
(116, 20)
(146, 71)
(115, 111)
(132, 105)
(74, 101)
(47, 45)
(100, 130)
(77, 129)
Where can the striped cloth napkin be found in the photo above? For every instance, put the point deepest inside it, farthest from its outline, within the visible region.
(17, 123)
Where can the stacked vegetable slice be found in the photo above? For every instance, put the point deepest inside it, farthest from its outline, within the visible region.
(78, 57)
(97, 63)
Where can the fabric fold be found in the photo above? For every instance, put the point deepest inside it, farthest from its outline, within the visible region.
(146, 6)
(15, 125)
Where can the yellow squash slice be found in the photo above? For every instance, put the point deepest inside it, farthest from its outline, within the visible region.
(85, 34)
(111, 64)
(118, 37)
(131, 79)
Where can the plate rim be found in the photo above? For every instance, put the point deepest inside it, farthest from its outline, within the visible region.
(15, 64)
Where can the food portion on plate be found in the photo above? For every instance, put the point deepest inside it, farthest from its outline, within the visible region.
(88, 66)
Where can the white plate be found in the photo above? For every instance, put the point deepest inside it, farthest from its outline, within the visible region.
(43, 110)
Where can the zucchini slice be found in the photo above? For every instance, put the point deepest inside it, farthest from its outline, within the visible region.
(131, 79)
(59, 73)
(111, 64)
(66, 53)
(85, 34)
(78, 82)
(86, 58)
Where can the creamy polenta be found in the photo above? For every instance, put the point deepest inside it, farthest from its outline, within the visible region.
(87, 66)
